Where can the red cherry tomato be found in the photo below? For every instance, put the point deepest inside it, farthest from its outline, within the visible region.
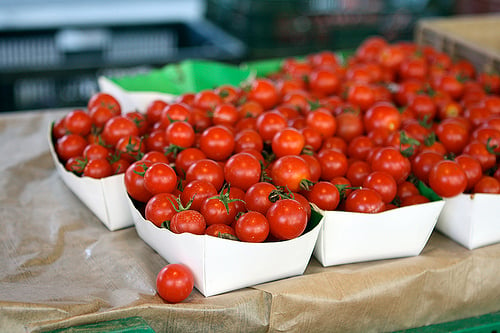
(290, 171)
(325, 195)
(217, 142)
(160, 208)
(174, 283)
(287, 219)
(447, 179)
(160, 178)
(364, 200)
(252, 227)
(383, 183)
(242, 170)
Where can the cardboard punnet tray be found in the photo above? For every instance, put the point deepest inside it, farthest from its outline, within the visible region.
(106, 197)
(347, 237)
(472, 220)
(472, 37)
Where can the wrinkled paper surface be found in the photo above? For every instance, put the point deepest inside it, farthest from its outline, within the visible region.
(61, 267)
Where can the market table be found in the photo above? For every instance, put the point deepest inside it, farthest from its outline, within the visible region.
(61, 267)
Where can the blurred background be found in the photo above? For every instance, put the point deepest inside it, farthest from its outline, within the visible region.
(52, 51)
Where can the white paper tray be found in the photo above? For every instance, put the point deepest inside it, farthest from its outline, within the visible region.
(472, 220)
(347, 237)
(105, 197)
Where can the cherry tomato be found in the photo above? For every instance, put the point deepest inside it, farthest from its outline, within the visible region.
(130, 148)
(314, 166)
(248, 139)
(242, 170)
(290, 171)
(325, 195)
(76, 164)
(423, 163)
(264, 92)
(447, 179)
(364, 200)
(288, 141)
(322, 121)
(94, 151)
(472, 169)
(270, 123)
(119, 165)
(333, 164)
(487, 184)
(58, 129)
(406, 189)
(196, 191)
(186, 157)
(414, 200)
(70, 145)
(155, 157)
(155, 140)
(357, 171)
(257, 197)
(225, 114)
(160, 178)
(480, 151)
(424, 107)
(383, 183)
(117, 128)
(160, 208)
(188, 220)
(361, 95)
(154, 110)
(228, 93)
(218, 209)
(221, 231)
(382, 115)
(174, 283)
(323, 82)
(312, 139)
(180, 133)
(349, 125)
(287, 219)
(78, 122)
(134, 181)
(207, 99)
(207, 170)
(98, 168)
(217, 142)
(391, 160)
(104, 100)
(452, 135)
(252, 227)
(359, 147)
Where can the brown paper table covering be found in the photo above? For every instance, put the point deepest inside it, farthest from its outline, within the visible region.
(61, 267)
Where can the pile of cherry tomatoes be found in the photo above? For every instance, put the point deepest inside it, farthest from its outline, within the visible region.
(245, 162)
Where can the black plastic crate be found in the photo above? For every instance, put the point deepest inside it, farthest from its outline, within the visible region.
(281, 28)
(59, 67)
